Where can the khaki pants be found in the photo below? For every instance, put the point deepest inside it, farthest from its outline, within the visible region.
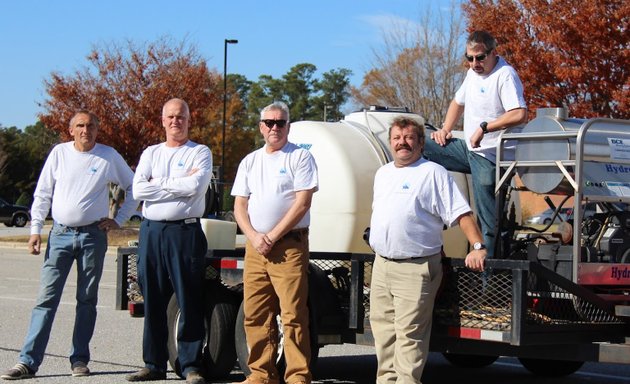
(401, 308)
(277, 284)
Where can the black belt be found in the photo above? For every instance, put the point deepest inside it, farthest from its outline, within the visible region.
(190, 220)
(407, 258)
(295, 234)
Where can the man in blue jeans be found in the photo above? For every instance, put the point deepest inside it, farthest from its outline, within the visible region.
(491, 100)
(74, 183)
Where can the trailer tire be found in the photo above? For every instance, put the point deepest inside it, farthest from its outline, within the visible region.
(550, 368)
(219, 350)
(242, 349)
(469, 361)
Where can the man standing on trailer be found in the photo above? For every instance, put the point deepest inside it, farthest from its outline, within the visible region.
(491, 100)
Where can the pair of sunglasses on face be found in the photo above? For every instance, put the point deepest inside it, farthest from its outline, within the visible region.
(481, 57)
(270, 123)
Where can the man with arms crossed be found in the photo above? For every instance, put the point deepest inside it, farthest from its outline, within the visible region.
(172, 178)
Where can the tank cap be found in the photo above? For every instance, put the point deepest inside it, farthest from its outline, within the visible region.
(560, 113)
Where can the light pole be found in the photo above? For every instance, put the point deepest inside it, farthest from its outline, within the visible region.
(225, 45)
(326, 111)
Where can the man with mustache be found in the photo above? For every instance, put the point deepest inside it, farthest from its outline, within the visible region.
(413, 199)
(491, 100)
(74, 183)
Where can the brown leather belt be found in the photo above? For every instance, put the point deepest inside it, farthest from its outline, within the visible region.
(295, 234)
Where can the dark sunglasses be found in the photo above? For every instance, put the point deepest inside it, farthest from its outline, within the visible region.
(270, 123)
(481, 57)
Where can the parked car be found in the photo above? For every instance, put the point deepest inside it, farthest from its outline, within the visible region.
(13, 215)
(546, 216)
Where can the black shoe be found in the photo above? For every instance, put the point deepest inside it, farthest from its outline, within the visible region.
(80, 369)
(18, 372)
(145, 374)
(193, 377)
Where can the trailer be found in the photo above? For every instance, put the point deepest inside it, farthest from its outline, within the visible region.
(555, 297)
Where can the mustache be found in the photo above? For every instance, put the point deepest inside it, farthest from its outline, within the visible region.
(403, 146)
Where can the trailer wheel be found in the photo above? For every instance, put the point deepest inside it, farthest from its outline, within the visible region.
(219, 350)
(550, 368)
(469, 361)
(242, 349)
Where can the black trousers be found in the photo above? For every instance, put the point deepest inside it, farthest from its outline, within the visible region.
(171, 258)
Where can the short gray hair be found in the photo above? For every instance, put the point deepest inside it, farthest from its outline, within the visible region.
(275, 106)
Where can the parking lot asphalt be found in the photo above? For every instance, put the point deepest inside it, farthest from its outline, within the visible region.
(116, 347)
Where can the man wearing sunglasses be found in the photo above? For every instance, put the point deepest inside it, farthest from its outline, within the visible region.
(491, 100)
(273, 189)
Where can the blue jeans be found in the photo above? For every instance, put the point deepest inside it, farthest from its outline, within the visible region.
(87, 245)
(456, 157)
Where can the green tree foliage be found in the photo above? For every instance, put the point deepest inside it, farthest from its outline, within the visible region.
(333, 92)
(22, 156)
(568, 53)
(305, 95)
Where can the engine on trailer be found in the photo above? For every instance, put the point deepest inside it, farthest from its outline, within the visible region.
(606, 237)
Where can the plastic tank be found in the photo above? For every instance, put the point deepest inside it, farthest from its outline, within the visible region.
(594, 133)
(347, 158)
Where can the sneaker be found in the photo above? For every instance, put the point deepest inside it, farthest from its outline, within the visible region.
(145, 374)
(18, 372)
(194, 377)
(80, 369)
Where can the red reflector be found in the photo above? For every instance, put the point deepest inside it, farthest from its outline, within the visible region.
(229, 264)
(136, 309)
(466, 333)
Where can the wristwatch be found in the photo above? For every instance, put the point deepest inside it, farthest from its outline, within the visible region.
(484, 127)
(478, 246)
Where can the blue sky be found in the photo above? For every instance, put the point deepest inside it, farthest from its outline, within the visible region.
(39, 37)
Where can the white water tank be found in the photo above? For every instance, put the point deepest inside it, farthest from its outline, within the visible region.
(347, 159)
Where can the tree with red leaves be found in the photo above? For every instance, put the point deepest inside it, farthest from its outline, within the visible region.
(567, 53)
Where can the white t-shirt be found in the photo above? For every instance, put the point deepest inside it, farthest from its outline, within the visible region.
(270, 181)
(76, 185)
(410, 208)
(487, 97)
(163, 183)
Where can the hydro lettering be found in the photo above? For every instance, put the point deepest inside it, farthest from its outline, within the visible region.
(616, 169)
(618, 273)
